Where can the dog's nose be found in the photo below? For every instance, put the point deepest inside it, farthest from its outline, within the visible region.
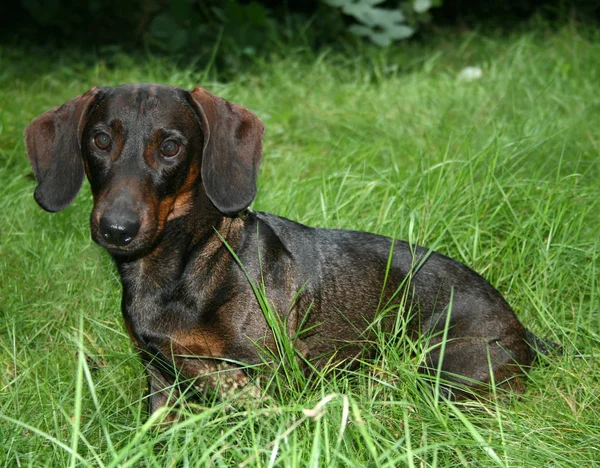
(119, 232)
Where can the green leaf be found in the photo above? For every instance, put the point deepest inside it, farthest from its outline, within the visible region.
(360, 30)
(421, 6)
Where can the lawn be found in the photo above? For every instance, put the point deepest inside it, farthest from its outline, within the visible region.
(501, 173)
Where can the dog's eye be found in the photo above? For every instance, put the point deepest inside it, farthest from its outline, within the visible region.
(102, 141)
(169, 149)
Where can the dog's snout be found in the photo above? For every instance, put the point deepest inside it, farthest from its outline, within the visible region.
(119, 231)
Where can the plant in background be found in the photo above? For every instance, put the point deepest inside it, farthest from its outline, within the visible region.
(192, 24)
(384, 25)
(236, 29)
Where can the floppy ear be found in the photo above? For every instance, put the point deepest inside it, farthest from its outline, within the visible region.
(53, 146)
(232, 151)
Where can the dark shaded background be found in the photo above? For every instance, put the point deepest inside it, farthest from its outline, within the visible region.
(228, 32)
(145, 23)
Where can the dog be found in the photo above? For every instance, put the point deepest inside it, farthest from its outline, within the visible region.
(173, 173)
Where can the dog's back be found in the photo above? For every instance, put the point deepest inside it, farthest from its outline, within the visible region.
(350, 279)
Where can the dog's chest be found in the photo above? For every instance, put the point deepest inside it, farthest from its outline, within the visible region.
(207, 310)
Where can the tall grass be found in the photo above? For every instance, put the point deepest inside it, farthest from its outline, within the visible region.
(502, 173)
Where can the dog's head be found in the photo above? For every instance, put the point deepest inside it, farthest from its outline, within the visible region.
(148, 151)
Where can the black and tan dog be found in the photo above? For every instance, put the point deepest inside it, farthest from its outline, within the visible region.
(172, 174)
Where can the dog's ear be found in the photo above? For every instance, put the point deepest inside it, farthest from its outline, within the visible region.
(232, 151)
(53, 146)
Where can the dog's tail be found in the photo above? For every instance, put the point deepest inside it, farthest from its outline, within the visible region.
(542, 346)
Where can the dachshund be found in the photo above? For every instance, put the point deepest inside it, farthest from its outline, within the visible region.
(173, 173)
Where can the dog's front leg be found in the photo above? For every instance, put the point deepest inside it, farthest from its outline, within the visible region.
(171, 364)
(161, 390)
(218, 377)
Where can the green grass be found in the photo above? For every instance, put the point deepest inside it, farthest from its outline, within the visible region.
(502, 173)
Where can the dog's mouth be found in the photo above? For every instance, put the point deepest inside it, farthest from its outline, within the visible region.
(125, 236)
(132, 228)
(128, 251)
